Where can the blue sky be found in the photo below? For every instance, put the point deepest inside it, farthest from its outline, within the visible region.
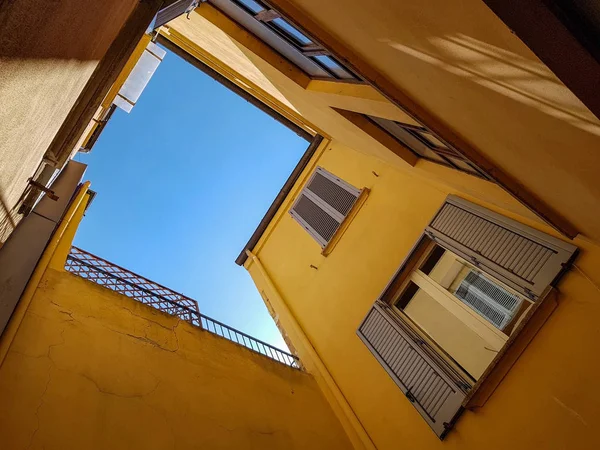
(182, 182)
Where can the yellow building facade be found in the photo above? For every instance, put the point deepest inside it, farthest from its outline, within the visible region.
(82, 366)
(432, 260)
(471, 83)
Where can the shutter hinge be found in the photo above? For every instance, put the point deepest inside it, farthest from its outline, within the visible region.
(530, 294)
(409, 396)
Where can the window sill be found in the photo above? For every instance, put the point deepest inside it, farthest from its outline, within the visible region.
(512, 350)
(346, 222)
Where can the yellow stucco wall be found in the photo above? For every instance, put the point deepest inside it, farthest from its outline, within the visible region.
(49, 51)
(457, 60)
(82, 367)
(92, 369)
(548, 400)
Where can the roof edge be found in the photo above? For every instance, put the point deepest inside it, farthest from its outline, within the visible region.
(281, 196)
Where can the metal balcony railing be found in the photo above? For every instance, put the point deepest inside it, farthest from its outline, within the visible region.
(123, 281)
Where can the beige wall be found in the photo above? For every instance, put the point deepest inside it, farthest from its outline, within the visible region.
(49, 51)
(92, 369)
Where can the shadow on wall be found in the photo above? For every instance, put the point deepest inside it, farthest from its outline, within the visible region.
(48, 52)
(68, 29)
(516, 112)
(506, 73)
(8, 220)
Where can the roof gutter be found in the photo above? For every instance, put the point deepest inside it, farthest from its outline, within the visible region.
(281, 196)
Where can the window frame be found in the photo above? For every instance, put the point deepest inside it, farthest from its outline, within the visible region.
(542, 296)
(483, 328)
(303, 55)
(343, 220)
(445, 154)
(411, 264)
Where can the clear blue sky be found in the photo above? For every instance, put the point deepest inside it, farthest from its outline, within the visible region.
(182, 182)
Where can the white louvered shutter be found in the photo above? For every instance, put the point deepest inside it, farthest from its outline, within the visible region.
(173, 11)
(323, 204)
(522, 257)
(429, 384)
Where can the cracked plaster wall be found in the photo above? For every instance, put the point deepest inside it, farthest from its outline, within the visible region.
(91, 369)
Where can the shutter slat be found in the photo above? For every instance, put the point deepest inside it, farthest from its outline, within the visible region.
(434, 394)
(333, 191)
(499, 243)
(522, 257)
(526, 262)
(323, 204)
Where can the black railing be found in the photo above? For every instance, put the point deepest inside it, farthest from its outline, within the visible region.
(123, 281)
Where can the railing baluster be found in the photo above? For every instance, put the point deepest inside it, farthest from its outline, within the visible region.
(118, 279)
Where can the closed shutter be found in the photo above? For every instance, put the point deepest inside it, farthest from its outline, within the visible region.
(522, 257)
(323, 204)
(432, 389)
(173, 11)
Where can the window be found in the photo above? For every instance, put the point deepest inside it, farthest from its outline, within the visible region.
(139, 77)
(174, 10)
(465, 312)
(422, 142)
(285, 38)
(467, 290)
(323, 205)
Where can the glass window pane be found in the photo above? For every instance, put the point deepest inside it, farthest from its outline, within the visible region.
(430, 154)
(479, 292)
(334, 66)
(251, 5)
(291, 31)
(328, 62)
(432, 139)
(469, 350)
(445, 268)
(463, 165)
(404, 136)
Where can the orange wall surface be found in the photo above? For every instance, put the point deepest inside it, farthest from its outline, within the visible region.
(548, 399)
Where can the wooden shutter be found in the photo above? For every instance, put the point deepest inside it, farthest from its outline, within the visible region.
(173, 11)
(522, 257)
(323, 204)
(427, 382)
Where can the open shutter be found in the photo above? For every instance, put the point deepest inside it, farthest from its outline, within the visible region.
(433, 391)
(174, 10)
(323, 204)
(522, 257)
